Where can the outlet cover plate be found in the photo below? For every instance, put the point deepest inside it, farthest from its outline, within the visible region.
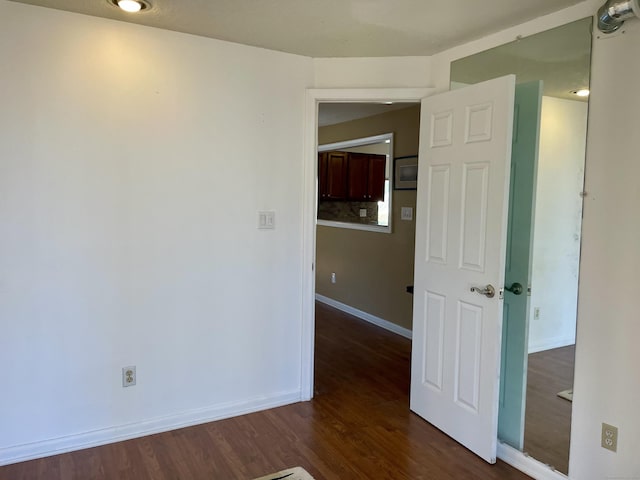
(129, 376)
(609, 437)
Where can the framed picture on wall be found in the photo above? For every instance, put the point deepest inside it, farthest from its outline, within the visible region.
(405, 173)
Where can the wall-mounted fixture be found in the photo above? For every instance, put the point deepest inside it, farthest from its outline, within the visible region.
(583, 92)
(612, 14)
(131, 6)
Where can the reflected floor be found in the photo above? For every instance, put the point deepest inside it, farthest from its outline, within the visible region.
(548, 417)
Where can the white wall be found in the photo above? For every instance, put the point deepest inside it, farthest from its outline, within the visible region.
(558, 219)
(607, 385)
(379, 72)
(133, 162)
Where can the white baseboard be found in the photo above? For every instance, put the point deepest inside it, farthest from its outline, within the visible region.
(45, 448)
(551, 343)
(527, 464)
(367, 317)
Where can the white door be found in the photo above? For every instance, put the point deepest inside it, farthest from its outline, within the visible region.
(461, 220)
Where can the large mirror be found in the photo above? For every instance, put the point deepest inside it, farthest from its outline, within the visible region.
(552, 70)
(355, 175)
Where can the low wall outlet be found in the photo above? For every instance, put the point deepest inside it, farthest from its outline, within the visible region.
(129, 376)
(333, 277)
(609, 437)
(536, 313)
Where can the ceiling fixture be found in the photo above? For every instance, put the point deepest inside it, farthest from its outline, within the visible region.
(131, 6)
(583, 92)
(612, 14)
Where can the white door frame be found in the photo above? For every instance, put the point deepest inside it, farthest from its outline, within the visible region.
(309, 204)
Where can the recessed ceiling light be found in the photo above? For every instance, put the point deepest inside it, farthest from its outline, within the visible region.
(583, 92)
(131, 6)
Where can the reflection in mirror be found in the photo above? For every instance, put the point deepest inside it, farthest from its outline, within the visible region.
(539, 342)
(354, 178)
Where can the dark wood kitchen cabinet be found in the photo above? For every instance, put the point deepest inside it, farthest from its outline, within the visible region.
(366, 176)
(332, 175)
(351, 176)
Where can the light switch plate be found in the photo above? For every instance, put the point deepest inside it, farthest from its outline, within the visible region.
(406, 213)
(266, 220)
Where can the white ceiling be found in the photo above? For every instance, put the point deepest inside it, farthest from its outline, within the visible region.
(330, 28)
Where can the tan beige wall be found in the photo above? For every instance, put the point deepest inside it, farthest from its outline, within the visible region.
(372, 269)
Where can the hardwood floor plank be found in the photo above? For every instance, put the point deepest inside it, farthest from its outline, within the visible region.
(358, 427)
(147, 457)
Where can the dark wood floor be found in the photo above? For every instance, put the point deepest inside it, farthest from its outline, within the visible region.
(357, 427)
(548, 417)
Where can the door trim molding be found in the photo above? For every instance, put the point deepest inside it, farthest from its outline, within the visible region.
(309, 204)
(527, 464)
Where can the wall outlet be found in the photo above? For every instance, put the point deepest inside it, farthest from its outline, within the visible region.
(536, 313)
(129, 376)
(333, 277)
(609, 437)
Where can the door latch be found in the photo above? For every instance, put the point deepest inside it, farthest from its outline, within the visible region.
(487, 291)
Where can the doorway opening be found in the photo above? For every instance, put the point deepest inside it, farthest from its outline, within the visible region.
(364, 245)
(317, 270)
(364, 265)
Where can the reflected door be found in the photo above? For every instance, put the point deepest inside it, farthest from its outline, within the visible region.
(515, 326)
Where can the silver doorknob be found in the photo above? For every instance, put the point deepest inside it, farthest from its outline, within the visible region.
(515, 288)
(487, 291)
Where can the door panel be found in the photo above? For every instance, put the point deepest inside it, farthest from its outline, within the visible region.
(475, 178)
(468, 331)
(434, 340)
(437, 214)
(461, 217)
